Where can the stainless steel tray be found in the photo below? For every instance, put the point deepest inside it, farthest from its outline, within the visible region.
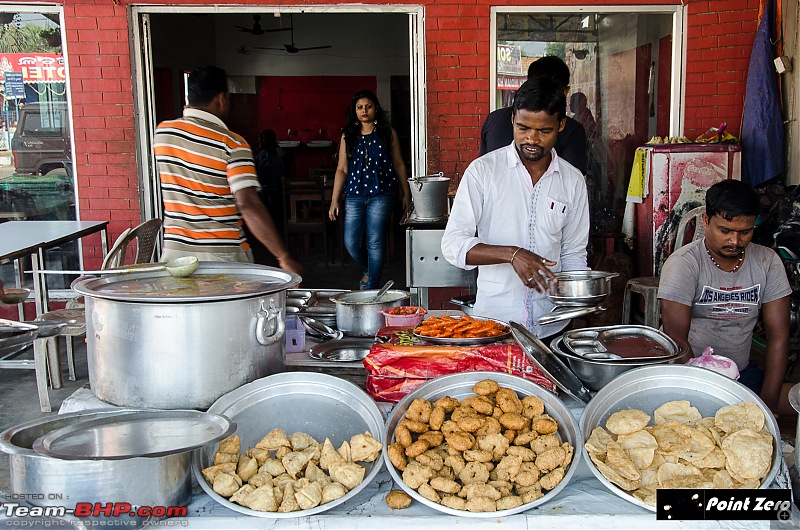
(320, 405)
(649, 387)
(346, 350)
(544, 358)
(468, 341)
(135, 434)
(460, 386)
(599, 339)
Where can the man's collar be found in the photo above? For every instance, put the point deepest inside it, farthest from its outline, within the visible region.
(513, 158)
(190, 112)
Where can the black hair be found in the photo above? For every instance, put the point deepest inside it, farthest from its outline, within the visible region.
(552, 67)
(541, 94)
(730, 199)
(267, 141)
(352, 128)
(204, 83)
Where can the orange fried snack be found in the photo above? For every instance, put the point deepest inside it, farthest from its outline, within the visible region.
(459, 328)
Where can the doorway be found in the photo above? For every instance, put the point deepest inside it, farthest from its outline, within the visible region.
(301, 93)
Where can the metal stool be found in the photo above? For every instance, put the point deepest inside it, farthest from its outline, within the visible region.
(647, 287)
(50, 347)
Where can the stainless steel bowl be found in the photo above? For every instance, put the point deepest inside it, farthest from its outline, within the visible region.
(581, 288)
(320, 405)
(647, 388)
(460, 386)
(595, 373)
(159, 481)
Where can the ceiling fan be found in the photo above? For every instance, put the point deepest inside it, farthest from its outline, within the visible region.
(257, 29)
(291, 48)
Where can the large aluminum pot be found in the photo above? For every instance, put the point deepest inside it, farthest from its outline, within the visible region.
(154, 341)
(47, 481)
(581, 288)
(358, 316)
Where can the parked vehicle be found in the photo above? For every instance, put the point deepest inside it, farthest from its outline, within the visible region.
(41, 142)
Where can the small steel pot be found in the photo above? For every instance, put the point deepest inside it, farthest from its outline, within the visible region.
(357, 315)
(581, 288)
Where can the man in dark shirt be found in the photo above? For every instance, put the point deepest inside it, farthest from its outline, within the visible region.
(571, 143)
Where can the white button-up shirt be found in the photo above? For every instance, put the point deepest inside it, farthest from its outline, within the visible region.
(497, 204)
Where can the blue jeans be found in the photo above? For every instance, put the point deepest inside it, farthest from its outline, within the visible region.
(368, 216)
(752, 377)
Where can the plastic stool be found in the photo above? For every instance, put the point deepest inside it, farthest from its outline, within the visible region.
(647, 287)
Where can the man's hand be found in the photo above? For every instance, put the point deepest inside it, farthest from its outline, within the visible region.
(288, 263)
(533, 270)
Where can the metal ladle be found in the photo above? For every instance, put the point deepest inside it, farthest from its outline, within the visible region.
(383, 290)
(179, 268)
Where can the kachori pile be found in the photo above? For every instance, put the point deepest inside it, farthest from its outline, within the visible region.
(682, 449)
(489, 452)
(289, 473)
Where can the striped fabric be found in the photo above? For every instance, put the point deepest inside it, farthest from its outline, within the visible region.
(202, 165)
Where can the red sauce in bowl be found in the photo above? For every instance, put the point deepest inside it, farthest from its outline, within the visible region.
(635, 346)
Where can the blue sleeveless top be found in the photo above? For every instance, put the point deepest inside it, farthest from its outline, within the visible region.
(370, 170)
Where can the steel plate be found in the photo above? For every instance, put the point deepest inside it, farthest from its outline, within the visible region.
(347, 350)
(320, 405)
(137, 434)
(460, 386)
(470, 341)
(597, 339)
(578, 301)
(649, 387)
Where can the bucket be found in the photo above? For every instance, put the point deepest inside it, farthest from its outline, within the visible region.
(429, 194)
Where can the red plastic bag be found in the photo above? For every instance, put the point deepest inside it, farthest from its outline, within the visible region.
(394, 370)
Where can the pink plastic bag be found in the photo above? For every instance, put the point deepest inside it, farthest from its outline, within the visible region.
(718, 363)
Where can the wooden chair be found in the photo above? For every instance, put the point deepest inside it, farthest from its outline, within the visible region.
(308, 210)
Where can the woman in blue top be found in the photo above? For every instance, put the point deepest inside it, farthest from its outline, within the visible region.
(369, 172)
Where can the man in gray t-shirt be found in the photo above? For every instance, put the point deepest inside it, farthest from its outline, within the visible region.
(712, 290)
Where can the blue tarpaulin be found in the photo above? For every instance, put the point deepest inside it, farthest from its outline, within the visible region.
(762, 126)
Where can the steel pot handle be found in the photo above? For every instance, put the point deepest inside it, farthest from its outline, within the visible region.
(269, 325)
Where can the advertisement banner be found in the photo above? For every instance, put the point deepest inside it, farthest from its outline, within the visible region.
(34, 67)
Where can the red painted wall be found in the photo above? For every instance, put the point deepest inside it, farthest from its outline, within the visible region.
(720, 36)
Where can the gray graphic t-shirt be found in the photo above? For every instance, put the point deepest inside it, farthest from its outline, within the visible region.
(724, 305)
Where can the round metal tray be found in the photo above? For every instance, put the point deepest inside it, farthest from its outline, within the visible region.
(135, 434)
(460, 386)
(320, 405)
(649, 387)
(466, 342)
(578, 301)
(342, 351)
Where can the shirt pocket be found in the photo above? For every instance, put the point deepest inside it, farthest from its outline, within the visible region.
(553, 216)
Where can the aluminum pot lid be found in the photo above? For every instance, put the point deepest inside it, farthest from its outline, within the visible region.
(213, 281)
(135, 434)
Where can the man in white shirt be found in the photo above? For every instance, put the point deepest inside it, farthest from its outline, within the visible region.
(520, 213)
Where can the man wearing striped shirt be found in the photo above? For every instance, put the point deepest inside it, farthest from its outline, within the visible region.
(209, 184)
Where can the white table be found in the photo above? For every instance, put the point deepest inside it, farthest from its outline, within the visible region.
(32, 238)
(584, 503)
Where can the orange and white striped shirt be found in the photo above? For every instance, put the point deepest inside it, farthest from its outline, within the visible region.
(202, 165)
